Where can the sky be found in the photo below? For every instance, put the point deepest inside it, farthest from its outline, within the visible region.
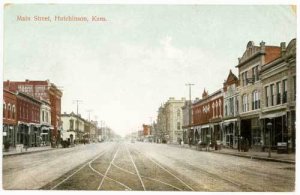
(123, 69)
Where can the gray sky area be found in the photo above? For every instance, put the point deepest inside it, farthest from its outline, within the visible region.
(125, 68)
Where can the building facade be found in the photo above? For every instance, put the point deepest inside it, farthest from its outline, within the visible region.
(9, 118)
(250, 90)
(28, 117)
(72, 122)
(278, 79)
(230, 125)
(207, 118)
(173, 116)
(45, 122)
(42, 90)
(186, 123)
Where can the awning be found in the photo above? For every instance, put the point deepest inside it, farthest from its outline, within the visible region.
(45, 128)
(273, 115)
(226, 122)
(204, 126)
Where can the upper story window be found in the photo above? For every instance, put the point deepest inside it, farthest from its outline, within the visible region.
(278, 94)
(4, 108)
(245, 103)
(178, 113)
(8, 111)
(13, 111)
(267, 96)
(284, 91)
(231, 106)
(71, 124)
(237, 106)
(272, 94)
(255, 100)
(43, 116)
(255, 74)
(244, 78)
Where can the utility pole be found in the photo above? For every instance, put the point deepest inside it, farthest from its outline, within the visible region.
(89, 131)
(89, 111)
(77, 122)
(190, 107)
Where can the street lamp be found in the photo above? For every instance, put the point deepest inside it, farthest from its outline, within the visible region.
(269, 126)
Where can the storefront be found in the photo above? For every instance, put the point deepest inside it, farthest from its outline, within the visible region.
(251, 133)
(276, 133)
(230, 133)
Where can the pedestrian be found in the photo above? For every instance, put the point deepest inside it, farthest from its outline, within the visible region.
(246, 145)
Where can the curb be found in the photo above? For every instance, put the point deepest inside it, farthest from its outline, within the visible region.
(257, 157)
(245, 156)
(29, 152)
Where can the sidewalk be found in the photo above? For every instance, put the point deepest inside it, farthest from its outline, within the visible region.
(13, 151)
(285, 158)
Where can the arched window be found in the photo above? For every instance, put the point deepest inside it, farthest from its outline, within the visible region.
(8, 111)
(13, 111)
(4, 109)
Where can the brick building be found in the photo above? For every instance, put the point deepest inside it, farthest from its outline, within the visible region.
(207, 118)
(9, 118)
(42, 90)
(28, 117)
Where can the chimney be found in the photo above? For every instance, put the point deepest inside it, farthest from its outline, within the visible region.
(282, 48)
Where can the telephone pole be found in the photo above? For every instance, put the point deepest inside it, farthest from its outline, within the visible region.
(190, 106)
(77, 122)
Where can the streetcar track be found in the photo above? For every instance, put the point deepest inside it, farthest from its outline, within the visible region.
(150, 178)
(122, 184)
(213, 175)
(84, 165)
(101, 183)
(167, 171)
(135, 168)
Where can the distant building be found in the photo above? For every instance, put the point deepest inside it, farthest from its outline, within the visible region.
(186, 121)
(173, 117)
(146, 130)
(72, 122)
